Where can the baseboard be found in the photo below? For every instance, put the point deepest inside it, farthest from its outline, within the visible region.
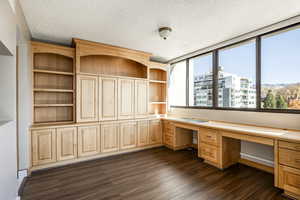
(256, 159)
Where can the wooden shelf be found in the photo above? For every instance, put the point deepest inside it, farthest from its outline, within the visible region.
(51, 90)
(53, 105)
(53, 72)
(158, 75)
(156, 81)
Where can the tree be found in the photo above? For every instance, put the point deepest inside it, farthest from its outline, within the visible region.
(280, 102)
(269, 101)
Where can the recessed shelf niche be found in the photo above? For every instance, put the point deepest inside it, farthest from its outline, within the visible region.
(111, 65)
(53, 84)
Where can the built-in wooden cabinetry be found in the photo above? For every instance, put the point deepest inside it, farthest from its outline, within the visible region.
(87, 98)
(43, 146)
(66, 143)
(110, 137)
(89, 140)
(53, 83)
(93, 100)
(158, 88)
(155, 132)
(128, 135)
(143, 133)
(108, 98)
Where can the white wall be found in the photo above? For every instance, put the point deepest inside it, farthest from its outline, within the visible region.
(13, 31)
(7, 26)
(256, 152)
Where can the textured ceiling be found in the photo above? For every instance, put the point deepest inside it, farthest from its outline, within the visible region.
(133, 23)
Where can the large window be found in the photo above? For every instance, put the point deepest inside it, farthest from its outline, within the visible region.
(280, 70)
(261, 74)
(237, 72)
(201, 81)
(177, 89)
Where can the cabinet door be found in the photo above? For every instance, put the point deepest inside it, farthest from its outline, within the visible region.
(66, 143)
(155, 132)
(127, 135)
(289, 179)
(109, 137)
(87, 98)
(43, 146)
(126, 99)
(108, 98)
(88, 140)
(143, 133)
(141, 98)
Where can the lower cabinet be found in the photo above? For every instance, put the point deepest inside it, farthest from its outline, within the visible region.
(66, 143)
(53, 145)
(88, 140)
(143, 133)
(43, 146)
(109, 137)
(155, 134)
(128, 135)
(289, 180)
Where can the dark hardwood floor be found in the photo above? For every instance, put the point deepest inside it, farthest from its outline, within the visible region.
(151, 174)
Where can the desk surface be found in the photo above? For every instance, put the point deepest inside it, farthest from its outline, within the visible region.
(274, 133)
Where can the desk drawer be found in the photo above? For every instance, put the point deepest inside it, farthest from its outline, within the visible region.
(209, 136)
(289, 145)
(289, 158)
(210, 153)
(289, 179)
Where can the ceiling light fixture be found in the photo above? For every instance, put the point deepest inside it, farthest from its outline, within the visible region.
(164, 32)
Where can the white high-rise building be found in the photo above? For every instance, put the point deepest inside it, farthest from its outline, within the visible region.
(234, 91)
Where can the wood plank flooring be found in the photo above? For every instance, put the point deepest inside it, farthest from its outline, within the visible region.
(156, 174)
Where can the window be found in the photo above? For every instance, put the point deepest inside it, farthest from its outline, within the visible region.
(201, 81)
(233, 78)
(280, 70)
(177, 89)
(237, 76)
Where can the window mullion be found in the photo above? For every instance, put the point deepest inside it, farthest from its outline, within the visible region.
(258, 73)
(215, 78)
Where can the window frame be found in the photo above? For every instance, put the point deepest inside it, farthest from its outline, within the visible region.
(215, 57)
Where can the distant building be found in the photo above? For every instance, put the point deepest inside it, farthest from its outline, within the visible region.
(234, 91)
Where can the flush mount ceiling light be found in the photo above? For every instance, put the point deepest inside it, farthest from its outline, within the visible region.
(164, 32)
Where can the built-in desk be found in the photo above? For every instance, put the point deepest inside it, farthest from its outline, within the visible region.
(219, 145)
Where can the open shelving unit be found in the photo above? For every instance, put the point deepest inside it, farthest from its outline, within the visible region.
(53, 84)
(157, 90)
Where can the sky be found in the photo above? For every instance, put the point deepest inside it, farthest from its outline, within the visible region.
(280, 59)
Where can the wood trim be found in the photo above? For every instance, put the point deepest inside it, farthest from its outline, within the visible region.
(257, 165)
(86, 48)
(40, 47)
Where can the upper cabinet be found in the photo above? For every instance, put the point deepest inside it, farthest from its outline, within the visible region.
(53, 83)
(108, 98)
(87, 98)
(125, 98)
(141, 98)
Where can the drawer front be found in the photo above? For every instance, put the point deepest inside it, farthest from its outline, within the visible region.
(210, 153)
(289, 179)
(289, 158)
(168, 140)
(289, 145)
(209, 136)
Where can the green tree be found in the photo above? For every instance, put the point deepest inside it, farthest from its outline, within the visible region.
(280, 102)
(269, 101)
